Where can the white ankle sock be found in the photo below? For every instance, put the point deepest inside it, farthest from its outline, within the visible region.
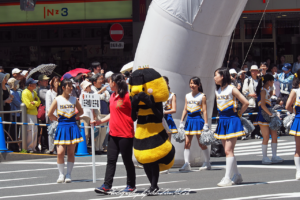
(206, 155)
(234, 167)
(229, 166)
(69, 167)
(264, 150)
(186, 155)
(61, 168)
(297, 163)
(274, 149)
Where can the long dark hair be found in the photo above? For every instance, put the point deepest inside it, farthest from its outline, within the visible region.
(296, 80)
(64, 83)
(167, 80)
(119, 79)
(261, 82)
(55, 78)
(223, 71)
(197, 81)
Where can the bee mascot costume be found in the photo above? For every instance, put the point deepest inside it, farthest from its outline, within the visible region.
(151, 147)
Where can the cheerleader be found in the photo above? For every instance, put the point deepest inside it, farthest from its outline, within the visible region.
(294, 98)
(195, 105)
(169, 109)
(229, 126)
(264, 102)
(67, 132)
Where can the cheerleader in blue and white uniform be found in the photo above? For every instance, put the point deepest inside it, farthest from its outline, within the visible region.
(195, 105)
(67, 133)
(264, 102)
(294, 98)
(229, 126)
(169, 109)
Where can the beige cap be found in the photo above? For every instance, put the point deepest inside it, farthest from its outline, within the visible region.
(16, 71)
(108, 74)
(85, 84)
(232, 71)
(12, 82)
(43, 77)
(254, 67)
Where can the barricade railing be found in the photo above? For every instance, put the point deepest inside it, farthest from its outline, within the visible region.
(22, 133)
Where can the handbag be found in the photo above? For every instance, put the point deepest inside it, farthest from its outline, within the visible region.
(41, 112)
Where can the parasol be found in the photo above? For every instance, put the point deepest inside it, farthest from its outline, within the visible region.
(75, 72)
(128, 67)
(46, 69)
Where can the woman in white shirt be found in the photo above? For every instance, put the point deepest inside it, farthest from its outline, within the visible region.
(50, 96)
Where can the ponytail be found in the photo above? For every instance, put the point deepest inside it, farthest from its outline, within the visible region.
(197, 81)
(167, 80)
(296, 80)
(262, 81)
(119, 79)
(64, 83)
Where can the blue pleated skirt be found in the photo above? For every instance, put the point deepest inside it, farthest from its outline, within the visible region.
(194, 124)
(229, 126)
(260, 120)
(295, 128)
(67, 133)
(171, 123)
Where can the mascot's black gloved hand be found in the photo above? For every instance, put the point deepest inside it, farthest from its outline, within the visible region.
(134, 106)
(149, 101)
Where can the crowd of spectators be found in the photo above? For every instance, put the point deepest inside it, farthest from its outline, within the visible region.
(39, 94)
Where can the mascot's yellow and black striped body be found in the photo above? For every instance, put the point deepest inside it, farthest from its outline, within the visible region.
(148, 90)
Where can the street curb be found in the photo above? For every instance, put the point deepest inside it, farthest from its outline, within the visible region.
(5, 157)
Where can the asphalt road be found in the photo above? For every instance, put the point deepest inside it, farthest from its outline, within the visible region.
(36, 179)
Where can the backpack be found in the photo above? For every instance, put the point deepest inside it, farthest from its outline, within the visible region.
(41, 112)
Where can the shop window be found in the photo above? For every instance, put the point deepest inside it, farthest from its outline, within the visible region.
(287, 27)
(260, 51)
(235, 54)
(93, 33)
(5, 36)
(265, 30)
(26, 35)
(49, 34)
(71, 33)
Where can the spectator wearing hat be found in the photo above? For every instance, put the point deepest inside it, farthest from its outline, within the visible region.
(96, 67)
(16, 73)
(1, 69)
(107, 80)
(249, 88)
(41, 92)
(87, 113)
(32, 102)
(14, 105)
(233, 76)
(286, 79)
(24, 73)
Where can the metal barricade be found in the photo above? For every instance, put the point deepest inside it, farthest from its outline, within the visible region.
(13, 122)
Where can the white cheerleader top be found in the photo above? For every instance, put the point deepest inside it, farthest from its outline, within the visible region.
(168, 103)
(297, 101)
(66, 108)
(194, 104)
(267, 98)
(225, 99)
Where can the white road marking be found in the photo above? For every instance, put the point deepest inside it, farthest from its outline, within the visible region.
(77, 190)
(269, 149)
(260, 166)
(17, 179)
(291, 144)
(251, 143)
(270, 196)
(55, 163)
(259, 152)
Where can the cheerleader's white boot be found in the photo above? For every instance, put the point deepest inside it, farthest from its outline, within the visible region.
(205, 166)
(61, 178)
(225, 182)
(185, 167)
(237, 179)
(298, 176)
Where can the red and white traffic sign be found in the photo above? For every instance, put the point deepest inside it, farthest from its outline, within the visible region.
(116, 32)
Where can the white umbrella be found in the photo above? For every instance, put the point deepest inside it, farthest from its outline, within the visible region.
(127, 67)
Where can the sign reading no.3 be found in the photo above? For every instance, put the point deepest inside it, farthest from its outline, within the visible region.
(51, 12)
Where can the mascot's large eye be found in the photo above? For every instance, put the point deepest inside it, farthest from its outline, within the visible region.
(130, 90)
(143, 89)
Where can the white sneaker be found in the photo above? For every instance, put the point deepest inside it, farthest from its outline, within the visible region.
(276, 159)
(298, 176)
(164, 172)
(244, 138)
(225, 182)
(266, 161)
(61, 179)
(185, 167)
(257, 137)
(68, 178)
(237, 179)
(205, 166)
(139, 166)
(40, 147)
